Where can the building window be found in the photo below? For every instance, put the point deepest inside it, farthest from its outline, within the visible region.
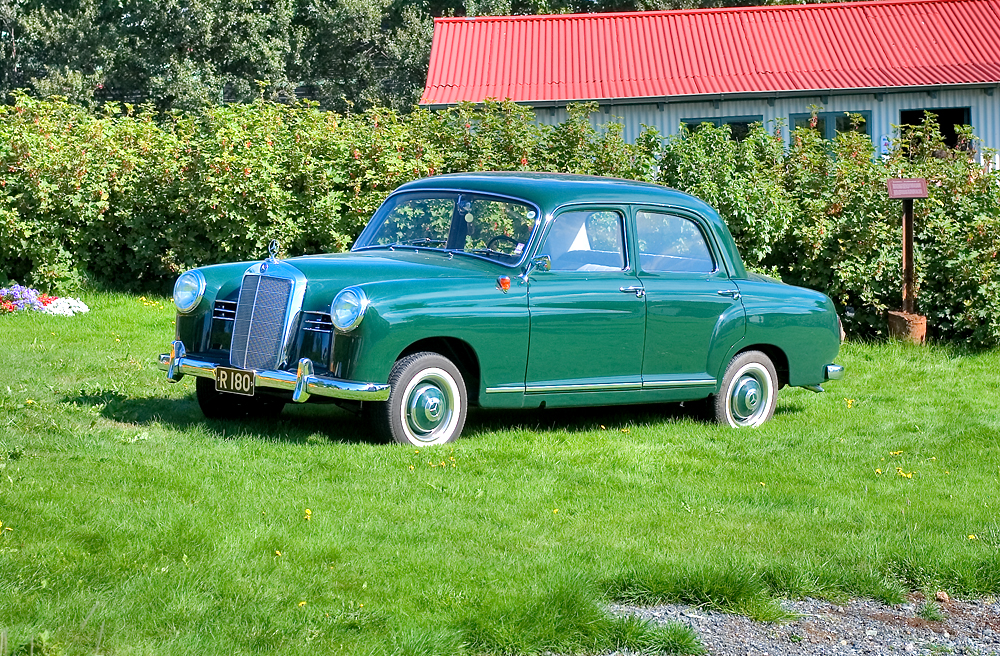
(739, 126)
(828, 124)
(947, 120)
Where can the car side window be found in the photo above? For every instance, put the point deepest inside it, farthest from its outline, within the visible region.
(586, 241)
(668, 242)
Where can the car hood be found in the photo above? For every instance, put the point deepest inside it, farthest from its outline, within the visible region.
(377, 265)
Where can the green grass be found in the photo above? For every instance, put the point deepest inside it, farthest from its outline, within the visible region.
(141, 525)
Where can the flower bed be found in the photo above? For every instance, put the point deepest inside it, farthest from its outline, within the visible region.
(18, 298)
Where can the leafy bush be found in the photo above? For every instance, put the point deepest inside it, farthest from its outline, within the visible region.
(128, 198)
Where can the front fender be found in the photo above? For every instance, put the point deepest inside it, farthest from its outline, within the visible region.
(402, 312)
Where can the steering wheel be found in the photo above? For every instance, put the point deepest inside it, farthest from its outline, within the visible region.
(493, 240)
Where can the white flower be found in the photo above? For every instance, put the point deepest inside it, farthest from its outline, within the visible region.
(65, 306)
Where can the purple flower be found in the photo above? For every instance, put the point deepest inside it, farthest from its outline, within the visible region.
(23, 298)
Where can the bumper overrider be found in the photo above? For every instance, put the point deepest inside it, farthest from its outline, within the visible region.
(303, 383)
(830, 372)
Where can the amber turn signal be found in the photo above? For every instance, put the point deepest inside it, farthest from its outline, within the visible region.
(503, 283)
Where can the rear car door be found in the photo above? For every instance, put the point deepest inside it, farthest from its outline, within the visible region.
(693, 309)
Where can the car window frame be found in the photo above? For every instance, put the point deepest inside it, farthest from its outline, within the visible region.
(723, 267)
(621, 210)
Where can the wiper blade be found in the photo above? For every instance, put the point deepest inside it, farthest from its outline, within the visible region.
(486, 251)
(424, 241)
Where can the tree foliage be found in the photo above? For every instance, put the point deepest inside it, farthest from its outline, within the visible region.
(190, 54)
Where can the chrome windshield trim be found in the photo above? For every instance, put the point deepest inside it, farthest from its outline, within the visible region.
(308, 383)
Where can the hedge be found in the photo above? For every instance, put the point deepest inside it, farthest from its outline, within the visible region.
(128, 199)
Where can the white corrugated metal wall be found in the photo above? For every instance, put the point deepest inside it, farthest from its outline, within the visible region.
(666, 117)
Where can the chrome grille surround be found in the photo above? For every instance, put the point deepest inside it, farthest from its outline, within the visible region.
(267, 312)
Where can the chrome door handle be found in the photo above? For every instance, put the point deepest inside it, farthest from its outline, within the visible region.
(638, 290)
(732, 293)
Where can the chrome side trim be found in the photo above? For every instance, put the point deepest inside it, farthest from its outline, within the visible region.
(584, 387)
(696, 382)
(503, 390)
(834, 372)
(308, 383)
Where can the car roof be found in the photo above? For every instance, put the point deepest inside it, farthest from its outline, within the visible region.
(548, 191)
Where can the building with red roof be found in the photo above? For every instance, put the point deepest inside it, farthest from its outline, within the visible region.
(888, 61)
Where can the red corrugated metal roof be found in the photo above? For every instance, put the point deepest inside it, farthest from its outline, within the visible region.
(659, 54)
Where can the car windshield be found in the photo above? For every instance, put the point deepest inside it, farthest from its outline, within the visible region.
(494, 228)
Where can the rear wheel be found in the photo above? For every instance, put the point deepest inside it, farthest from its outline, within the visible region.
(427, 402)
(749, 391)
(222, 405)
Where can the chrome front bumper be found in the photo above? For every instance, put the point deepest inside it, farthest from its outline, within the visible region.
(302, 384)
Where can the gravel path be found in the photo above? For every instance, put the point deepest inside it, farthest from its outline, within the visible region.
(858, 627)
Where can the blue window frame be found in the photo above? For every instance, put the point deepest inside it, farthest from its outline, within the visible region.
(739, 126)
(828, 124)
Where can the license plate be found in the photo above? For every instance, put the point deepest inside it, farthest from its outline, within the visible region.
(234, 381)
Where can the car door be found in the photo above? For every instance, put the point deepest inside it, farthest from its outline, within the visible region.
(693, 312)
(587, 313)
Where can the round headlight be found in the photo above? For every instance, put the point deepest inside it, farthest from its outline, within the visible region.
(188, 290)
(348, 309)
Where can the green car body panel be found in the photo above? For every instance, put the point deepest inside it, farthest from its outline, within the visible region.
(562, 338)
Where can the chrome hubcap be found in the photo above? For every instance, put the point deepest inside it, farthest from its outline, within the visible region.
(746, 398)
(429, 408)
(749, 396)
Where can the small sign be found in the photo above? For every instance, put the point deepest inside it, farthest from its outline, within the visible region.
(907, 187)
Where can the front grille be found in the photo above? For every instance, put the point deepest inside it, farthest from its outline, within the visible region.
(317, 322)
(259, 331)
(224, 310)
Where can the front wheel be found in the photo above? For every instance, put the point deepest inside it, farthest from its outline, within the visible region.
(427, 402)
(749, 391)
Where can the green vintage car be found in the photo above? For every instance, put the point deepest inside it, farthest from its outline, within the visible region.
(505, 290)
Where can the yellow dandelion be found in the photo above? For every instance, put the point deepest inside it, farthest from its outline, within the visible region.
(277, 553)
(301, 604)
(411, 467)
(763, 484)
(895, 453)
(972, 537)
(878, 471)
(30, 402)
(308, 515)
(850, 402)
(555, 510)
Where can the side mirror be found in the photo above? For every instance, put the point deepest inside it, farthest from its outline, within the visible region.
(541, 263)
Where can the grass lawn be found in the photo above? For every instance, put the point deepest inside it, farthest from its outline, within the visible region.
(139, 527)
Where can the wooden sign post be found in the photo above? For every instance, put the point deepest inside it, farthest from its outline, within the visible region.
(907, 324)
